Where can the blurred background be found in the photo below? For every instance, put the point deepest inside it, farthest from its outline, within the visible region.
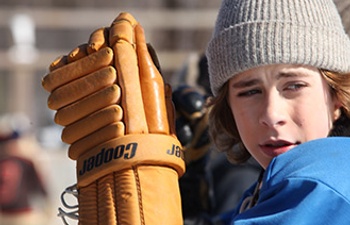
(35, 32)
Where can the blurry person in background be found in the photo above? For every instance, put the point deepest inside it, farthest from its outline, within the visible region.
(22, 192)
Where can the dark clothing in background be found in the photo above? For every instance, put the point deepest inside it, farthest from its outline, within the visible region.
(212, 186)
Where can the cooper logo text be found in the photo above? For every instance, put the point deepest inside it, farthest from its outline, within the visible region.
(106, 155)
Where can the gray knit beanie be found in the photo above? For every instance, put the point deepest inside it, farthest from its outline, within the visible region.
(251, 33)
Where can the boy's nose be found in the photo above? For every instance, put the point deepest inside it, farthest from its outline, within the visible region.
(273, 111)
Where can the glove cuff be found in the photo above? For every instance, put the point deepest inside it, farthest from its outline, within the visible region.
(129, 151)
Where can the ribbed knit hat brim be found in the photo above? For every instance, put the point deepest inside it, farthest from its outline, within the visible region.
(254, 33)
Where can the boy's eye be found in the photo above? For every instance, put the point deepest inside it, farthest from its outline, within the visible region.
(248, 93)
(295, 86)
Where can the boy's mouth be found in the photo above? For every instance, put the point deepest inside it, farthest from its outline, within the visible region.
(275, 148)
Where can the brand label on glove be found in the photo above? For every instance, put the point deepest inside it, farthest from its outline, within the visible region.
(175, 150)
(127, 152)
(105, 156)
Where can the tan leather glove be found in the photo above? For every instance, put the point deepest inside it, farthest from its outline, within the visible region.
(119, 122)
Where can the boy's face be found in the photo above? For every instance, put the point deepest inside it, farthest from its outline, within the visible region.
(277, 107)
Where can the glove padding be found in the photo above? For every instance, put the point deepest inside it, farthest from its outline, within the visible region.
(119, 122)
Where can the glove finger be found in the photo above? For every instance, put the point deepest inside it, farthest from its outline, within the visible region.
(91, 123)
(152, 87)
(77, 69)
(129, 82)
(122, 29)
(58, 62)
(100, 136)
(98, 39)
(81, 87)
(76, 111)
(77, 53)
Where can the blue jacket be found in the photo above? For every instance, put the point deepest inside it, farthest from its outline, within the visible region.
(309, 184)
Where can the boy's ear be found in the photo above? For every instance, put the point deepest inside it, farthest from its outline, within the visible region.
(341, 126)
(336, 114)
(337, 111)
